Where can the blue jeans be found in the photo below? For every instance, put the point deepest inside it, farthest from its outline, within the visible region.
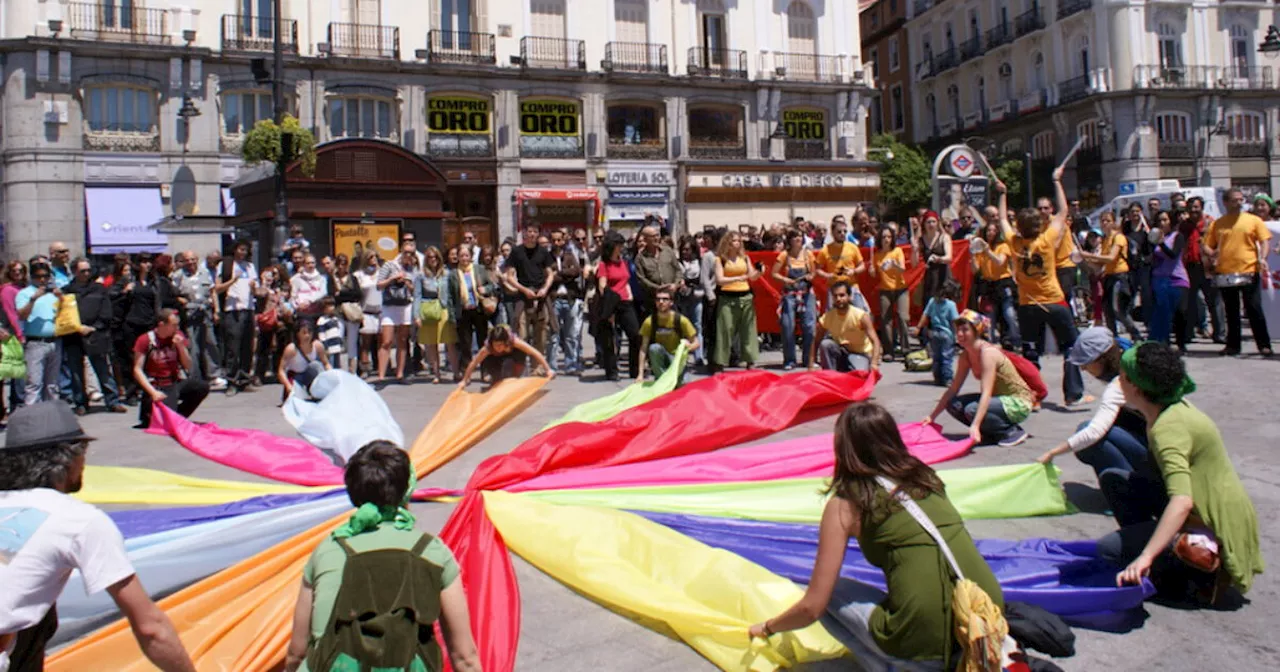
(996, 425)
(1124, 447)
(569, 315)
(942, 349)
(1004, 307)
(691, 307)
(44, 365)
(808, 320)
(74, 354)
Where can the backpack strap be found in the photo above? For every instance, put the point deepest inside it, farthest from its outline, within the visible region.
(421, 546)
(346, 548)
(923, 518)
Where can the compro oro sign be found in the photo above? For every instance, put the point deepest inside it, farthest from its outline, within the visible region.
(458, 114)
(557, 118)
(805, 124)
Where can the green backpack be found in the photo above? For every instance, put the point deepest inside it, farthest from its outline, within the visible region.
(384, 614)
(918, 360)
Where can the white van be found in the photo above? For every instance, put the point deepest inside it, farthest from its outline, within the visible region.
(1162, 190)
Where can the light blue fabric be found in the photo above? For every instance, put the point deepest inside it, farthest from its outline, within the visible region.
(39, 322)
(941, 315)
(344, 415)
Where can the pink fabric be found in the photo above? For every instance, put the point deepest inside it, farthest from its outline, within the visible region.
(255, 451)
(806, 457)
(8, 301)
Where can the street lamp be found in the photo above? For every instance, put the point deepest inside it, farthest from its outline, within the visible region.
(1270, 47)
(778, 143)
(286, 144)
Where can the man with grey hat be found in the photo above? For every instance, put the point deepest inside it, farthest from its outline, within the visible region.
(45, 533)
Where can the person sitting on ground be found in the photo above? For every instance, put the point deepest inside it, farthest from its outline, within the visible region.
(846, 336)
(377, 563)
(45, 533)
(910, 627)
(661, 335)
(160, 367)
(1197, 511)
(503, 356)
(939, 316)
(1004, 400)
(302, 360)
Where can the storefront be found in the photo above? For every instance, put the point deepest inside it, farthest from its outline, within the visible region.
(122, 219)
(735, 194)
(460, 143)
(551, 209)
(634, 191)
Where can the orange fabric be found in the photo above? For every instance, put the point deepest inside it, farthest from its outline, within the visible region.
(239, 618)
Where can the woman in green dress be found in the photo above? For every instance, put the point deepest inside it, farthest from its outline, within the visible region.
(910, 627)
(1198, 514)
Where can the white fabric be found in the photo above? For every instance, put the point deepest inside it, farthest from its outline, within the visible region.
(44, 535)
(349, 415)
(368, 282)
(308, 288)
(369, 325)
(240, 295)
(1108, 409)
(396, 316)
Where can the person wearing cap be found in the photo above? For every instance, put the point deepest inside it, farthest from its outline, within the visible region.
(1115, 437)
(45, 534)
(1264, 207)
(1196, 510)
(993, 414)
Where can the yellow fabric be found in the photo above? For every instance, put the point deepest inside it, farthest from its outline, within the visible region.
(736, 267)
(129, 485)
(989, 269)
(1116, 241)
(662, 579)
(1034, 262)
(1065, 248)
(894, 278)
(837, 256)
(1236, 238)
(67, 320)
(980, 627)
(847, 329)
(238, 619)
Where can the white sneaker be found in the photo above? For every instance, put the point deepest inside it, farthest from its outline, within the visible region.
(218, 385)
(95, 397)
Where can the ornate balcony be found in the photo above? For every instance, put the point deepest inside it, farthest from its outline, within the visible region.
(645, 151)
(364, 40)
(111, 141)
(241, 32)
(1176, 150)
(460, 48)
(1251, 78)
(459, 145)
(1068, 7)
(723, 63)
(970, 48)
(538, 147)
(553, 53)
(1173, 77)
(1247, 149)
(809, 67)
(117, 23)
(807, 149)
(945, 61)
(1073, 89)
(1029, 22)
(706, 148)
(638, 57)
(999, 36)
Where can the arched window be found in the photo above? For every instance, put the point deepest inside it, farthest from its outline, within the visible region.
(1173, 128)
(716, 132)
(363, 116)
(1042, 145)
(1088, 130)
(1245, 127)
(1038, 81)
(120, 108)
(1006, 82)
(637, 130)
(802, 28)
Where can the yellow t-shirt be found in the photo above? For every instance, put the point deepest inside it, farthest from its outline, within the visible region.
(847, 330)
(1064, 252)
(1236, 238)
(836, 256)
(736, 267)
(987, 267)
(894, 278)
(1121, 263)
(1034, 262)
(671, 329)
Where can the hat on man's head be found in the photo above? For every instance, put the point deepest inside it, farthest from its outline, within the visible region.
(1091, 344)
(43, 425)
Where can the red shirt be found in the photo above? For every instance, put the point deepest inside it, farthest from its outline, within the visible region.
(617, 276)
(1191, 255)
(161, 362)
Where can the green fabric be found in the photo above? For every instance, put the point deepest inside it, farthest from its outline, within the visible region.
(915, 623)
(1129, 363)
(1016, 409)
(1193, 460)
(13, 365)
(1011, 491)
(735, 322)
(369, 516)
(431, 311)
(598, 410)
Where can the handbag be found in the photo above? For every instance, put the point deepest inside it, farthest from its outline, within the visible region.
(431, 310)
(351, 312)
(396, 294)
(267, 320)
(1198, 548)
(489, 304)
(13, 365)
(67, 321)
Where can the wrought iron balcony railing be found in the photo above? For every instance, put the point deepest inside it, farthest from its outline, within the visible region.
(645, 151)
(1068, 7)
(459, 145)
(1247, 149)
(1000, 35)
(1176, 150)
(1173, 77)
(809, 67)
(705, 148)
(553, 53)
(107, 22)
(1029, 22)
(459, 47)
(808, 149)
(724, 63)
(639, 57)
(364, 40)
(242, 32)
(1073, 89)
(970, 48)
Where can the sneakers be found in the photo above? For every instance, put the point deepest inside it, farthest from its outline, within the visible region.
(218, 384)
(95, 397)
(1018, 437)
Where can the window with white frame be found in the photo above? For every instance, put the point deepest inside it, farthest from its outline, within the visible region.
(120, 109)
(1037, 82)
(802, 28)
(1080, 64)
(1170, 37)
(896, 111)
(362, 117)
(1173, 128)
(1006, 82)
(894, 62)
(979, 94)
(631, 21)
(1245, 127)
(1042, 145)
(931, 108)
(1088, 131)
(953, 101)
(1241, 54)
(242, 109)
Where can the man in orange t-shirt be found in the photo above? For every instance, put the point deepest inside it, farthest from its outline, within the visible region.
(1237, 245)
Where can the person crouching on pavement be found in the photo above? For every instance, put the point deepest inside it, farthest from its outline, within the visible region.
(161, 364)
(661, 335)
(503, 356)
(846, 336)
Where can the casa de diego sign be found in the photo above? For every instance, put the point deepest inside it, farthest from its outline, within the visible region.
(781, 180)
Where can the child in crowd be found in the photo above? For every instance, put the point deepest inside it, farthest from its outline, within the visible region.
(329, 330)
(939, 314)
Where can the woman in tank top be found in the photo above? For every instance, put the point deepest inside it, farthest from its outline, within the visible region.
(794, 270)
(302, 360)
(735, 308)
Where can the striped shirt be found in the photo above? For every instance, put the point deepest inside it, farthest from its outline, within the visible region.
(329, 329)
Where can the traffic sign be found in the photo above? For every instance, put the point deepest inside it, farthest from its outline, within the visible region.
(1127, 188)
(962, 162)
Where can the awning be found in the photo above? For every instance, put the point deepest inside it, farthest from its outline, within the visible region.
(120, 219)
(557, 195)
(228, 203)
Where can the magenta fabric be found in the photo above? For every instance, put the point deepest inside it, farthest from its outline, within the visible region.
(255, 451)
(806, 457)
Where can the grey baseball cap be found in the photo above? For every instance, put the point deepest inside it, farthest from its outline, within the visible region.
(1090, 345)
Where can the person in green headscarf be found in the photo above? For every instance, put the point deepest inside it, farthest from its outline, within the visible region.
(1197, 509)
(380, 481)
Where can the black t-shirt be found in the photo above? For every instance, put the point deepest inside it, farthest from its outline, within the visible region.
(531, 267)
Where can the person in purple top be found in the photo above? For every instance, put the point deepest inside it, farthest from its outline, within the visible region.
(1169, 280)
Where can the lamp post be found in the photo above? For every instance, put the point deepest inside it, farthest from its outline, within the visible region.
(1270, 46)
(281, 222)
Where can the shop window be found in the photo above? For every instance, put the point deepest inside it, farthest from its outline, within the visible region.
(636, 131)
(807, 134)
(1042, 146)
(120, 109)
(362, 117)
(716, 132)
(551, 129)
(459, 126)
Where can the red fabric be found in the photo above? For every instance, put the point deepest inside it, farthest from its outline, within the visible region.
(1030, 375)
(768, 293)
(160, 361)
(706, 415)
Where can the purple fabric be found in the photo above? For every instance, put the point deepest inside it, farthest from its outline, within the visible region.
(1170, 267)
(1063, 577)
(137, 522)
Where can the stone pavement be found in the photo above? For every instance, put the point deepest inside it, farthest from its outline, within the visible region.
(565, 632)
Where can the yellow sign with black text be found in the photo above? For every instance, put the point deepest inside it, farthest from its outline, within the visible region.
(357, 239)
(550, 117)
(805, 124)
(458, 114)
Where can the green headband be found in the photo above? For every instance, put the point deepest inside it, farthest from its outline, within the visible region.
(1129, 363)
(369, 516)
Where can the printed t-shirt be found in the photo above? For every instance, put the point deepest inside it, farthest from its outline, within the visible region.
(1033, 269)
(240, 294)
(989, 269)
(44, 534)
(1236, 237)
(666, 333)
(847, 330)
(836, 256)
(160, 357)
(1116, 240)
(891, 279)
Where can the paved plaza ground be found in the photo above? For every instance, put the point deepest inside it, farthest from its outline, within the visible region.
(565, 632)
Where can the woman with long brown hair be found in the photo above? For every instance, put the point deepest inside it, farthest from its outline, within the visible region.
(736, 311)
(910, 627)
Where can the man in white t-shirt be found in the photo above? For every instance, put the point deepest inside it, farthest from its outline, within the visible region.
(45, 534)
(236, 282)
